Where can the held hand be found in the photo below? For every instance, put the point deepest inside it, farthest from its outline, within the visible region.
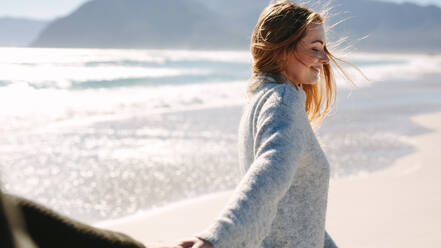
(162, 246)
(195, 243)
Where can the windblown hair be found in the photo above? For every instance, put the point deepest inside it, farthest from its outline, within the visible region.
(280, 27)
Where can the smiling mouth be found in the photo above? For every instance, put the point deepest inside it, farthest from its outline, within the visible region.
(316, 70)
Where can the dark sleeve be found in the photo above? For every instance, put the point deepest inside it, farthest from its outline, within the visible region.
(6, 239)
(329, 243)
(50, 229)
(13, 233)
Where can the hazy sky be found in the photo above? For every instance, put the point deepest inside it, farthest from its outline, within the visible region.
(48, 9)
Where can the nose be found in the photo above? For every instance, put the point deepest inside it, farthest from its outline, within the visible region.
(324, 58)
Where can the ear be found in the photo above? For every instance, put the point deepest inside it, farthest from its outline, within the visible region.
(282, 59)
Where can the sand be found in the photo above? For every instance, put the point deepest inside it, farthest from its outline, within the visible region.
(396, 207)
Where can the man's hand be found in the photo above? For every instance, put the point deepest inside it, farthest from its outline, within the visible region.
(162, 246)
(195, 243)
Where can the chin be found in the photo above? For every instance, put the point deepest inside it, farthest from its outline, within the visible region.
(315, 80)
(311, 82)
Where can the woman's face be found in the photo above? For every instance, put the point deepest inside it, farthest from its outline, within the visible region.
(305, 63)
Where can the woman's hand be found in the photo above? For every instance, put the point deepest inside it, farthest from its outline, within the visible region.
(195, 243)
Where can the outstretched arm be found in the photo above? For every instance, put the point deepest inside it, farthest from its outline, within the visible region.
(278, 145)
(50, 229)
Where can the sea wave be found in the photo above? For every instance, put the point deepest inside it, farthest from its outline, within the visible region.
(94, 68)
(81, 69)
(38, 107)
(37, 56)
(64, 77)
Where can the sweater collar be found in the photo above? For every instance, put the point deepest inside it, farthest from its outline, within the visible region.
(279, 78)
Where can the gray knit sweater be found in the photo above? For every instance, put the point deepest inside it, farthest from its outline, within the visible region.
(281, 199)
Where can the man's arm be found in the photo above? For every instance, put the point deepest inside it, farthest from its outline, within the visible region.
(48, 228)
(329, 243)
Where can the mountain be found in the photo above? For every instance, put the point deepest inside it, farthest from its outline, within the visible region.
(243, 13)
(19, 32)
(141, 24)
(382, 26)
(227, 24)
(390, 26)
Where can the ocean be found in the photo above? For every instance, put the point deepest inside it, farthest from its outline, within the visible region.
(99, 134)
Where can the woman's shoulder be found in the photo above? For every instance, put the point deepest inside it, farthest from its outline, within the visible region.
(275, 105)
(277, 102)
(279, 93)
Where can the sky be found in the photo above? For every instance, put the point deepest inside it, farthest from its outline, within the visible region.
(50, 9)
(38, 9)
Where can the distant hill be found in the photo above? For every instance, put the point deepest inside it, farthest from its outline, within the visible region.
(141, 24)
(243, 13)
(19, 32)
(227, 24)
(390, 26)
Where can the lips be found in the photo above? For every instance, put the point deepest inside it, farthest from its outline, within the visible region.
(315, 69)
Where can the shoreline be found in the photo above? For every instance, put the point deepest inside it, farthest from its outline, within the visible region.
(394, 207)
(172, 223)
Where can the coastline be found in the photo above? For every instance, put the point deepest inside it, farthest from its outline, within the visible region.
(172, 223)
(394, 207)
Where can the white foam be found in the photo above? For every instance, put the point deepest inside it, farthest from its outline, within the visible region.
(60, 106)
(62, 76)
(52, 67)
(64, 108)
(75, 56)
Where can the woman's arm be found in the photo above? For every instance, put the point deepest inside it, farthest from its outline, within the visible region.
(278, 145)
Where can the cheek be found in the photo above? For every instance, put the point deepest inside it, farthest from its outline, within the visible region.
(305, 74)
(298, 68)
(307, 59)
(295, 68)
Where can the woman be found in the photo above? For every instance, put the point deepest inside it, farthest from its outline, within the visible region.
(281, 200)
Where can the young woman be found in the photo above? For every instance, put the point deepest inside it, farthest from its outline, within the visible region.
(281, 200)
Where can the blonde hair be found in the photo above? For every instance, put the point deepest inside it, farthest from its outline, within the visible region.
(280, 27)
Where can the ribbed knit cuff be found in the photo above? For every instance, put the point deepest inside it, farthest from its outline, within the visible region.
(217, 236)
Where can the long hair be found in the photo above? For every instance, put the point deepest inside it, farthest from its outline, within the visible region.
(280, 27)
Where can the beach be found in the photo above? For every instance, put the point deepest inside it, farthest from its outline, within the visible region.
(145, 141)
(395, 207)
